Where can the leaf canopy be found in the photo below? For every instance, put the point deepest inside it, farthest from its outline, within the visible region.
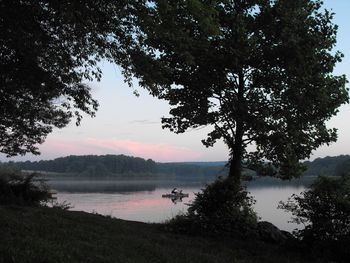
(260, 72)
(48, 49)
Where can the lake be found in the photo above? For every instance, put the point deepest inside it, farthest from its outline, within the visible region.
(141, 200)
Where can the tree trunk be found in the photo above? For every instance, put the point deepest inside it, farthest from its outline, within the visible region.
(237, 148)
(236, 159)
(235, 170)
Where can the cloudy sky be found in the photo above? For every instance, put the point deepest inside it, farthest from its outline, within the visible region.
(131, 125)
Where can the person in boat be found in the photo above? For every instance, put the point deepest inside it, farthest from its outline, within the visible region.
(174, 191)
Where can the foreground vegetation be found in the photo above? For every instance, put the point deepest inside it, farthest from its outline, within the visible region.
(220, 226)
(39, 234)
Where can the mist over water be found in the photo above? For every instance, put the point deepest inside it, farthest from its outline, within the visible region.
(141, 200)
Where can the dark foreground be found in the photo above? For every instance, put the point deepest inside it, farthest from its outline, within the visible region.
(53, 235)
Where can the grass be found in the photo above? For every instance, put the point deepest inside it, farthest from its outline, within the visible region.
(48, 235)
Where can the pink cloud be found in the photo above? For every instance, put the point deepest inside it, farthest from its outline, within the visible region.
(159, 152)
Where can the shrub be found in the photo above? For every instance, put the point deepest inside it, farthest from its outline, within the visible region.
(61, 205)
(220, 208)
(324, 209)
(17, 188)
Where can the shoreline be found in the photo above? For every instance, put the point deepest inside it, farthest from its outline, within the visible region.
(39, 234)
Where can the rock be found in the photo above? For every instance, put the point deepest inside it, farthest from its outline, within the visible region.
(268, 232)
(288, 235)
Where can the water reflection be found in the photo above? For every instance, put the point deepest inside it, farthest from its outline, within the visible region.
(145, 206)
(101, 186)
(117, 186)
(267, 199)
(176, 200)
(142, 201)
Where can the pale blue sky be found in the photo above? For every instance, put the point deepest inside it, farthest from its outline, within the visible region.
(130, 125)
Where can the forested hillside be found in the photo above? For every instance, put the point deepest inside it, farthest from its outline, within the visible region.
(189, 170)
(92, 165)
(112, 165)
(335, 165)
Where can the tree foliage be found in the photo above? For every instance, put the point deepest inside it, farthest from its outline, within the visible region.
(257, 71)
(343, 168)
(324, 209)
(48, 48)
(328, 166)
(91, 165)
(121, 165)
(223, 208)
(17, 188)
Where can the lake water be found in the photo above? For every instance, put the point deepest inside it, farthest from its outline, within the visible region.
(142, 200)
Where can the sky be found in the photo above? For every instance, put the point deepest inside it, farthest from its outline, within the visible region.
(130, 125)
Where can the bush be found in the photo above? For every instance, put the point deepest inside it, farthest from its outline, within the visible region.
(17, 188)
(324, 209)
(220, 208)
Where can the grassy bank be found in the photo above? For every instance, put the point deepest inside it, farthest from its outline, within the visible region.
(52, 235)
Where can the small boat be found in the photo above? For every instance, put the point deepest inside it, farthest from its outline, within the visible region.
(52, 194)
(175, 195)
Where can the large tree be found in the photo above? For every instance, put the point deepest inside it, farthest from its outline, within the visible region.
(48, 48)
(259, 72)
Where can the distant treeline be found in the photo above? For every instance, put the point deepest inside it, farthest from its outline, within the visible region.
(127, 166)
(119, 165)
(337, 165)
(200, 170)
(91, 165)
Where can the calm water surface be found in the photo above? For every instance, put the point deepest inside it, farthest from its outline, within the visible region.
(142, 201)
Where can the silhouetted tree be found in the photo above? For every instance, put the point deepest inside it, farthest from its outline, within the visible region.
(257, 71)
(47, 49)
